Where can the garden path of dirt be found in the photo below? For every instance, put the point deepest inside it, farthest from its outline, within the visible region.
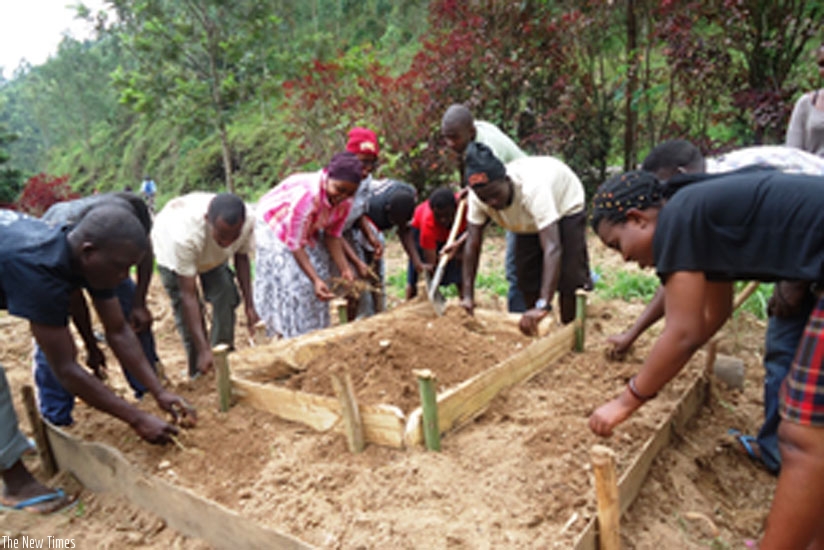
(517, 477)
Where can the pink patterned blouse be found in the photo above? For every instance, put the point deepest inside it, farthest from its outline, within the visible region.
(297, 209)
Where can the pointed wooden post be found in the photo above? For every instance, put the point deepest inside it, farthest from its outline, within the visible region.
(429, 408)
(260, 338)
(606, 492)
(224, 383)
(580, 318)
(353, 423)
(39, 431)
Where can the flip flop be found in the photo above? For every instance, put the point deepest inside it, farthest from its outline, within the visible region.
(747, 442)
(30, 504)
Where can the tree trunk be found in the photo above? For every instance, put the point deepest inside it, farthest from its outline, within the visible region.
(632, 83)
(219, 119)
(227, 156)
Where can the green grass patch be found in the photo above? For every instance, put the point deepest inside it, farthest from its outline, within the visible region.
(626, 285)
(757, 303)
(490, 282)
(635, 285)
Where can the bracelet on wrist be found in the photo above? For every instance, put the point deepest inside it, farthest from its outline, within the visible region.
(633, 389)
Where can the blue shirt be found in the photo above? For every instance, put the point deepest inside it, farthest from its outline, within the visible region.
(149, 187)
(36, 276)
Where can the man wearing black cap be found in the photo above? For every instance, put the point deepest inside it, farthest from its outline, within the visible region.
(542, 201)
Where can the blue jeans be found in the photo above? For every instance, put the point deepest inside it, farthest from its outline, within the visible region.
(514, 298)
(55, 402)
(783, 335)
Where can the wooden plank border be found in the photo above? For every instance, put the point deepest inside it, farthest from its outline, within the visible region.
(633, 478)
(101, 468)
(469, 399)
(382, 424)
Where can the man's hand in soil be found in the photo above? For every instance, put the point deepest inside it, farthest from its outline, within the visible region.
(609, 415)
(96, 360)
(252, 319)
(620, 344)
(153, 429)
(205, 361)
(140, 319)
(183, 413)
(529, 321)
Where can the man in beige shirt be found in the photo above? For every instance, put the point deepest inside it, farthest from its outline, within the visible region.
(541, 200)
(193, 237)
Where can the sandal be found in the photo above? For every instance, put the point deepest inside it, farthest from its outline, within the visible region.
(33, 505)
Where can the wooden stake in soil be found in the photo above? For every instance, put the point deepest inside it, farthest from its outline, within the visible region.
(606, 491)
(260, 338)
(224, 384)
(429, 408)
(39, 430)
(340, 306)
(580, 318)
(342, 383)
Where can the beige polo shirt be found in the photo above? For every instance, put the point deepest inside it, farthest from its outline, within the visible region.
(182, 239)
(544, 191)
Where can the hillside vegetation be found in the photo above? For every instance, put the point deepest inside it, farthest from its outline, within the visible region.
(209, 94)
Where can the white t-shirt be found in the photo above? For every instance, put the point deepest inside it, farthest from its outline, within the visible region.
(183, 242)
(544, 191)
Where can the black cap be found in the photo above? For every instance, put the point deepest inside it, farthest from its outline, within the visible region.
(481, 165)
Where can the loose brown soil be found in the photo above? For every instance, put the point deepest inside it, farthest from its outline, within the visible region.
(517, 477)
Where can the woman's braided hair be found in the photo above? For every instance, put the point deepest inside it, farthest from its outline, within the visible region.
(637, 189)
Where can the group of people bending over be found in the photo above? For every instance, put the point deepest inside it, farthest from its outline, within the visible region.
(754, 215)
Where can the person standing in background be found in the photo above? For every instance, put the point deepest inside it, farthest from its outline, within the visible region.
(148, 189)
(806, 129)
(459, 129)
(362, 242)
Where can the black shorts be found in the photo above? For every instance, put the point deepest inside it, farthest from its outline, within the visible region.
(529, 257)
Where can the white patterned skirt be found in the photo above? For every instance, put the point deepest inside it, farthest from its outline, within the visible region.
(284, 295)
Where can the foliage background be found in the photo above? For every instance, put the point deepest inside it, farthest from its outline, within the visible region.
(212, 94)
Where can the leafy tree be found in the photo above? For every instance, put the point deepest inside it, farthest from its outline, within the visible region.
(771, 36)
(189, 58)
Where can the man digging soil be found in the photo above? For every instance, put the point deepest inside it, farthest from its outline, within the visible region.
(40, 267)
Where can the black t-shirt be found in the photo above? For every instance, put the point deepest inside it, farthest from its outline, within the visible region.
(36, 278)
(760, 225)
(380, 193)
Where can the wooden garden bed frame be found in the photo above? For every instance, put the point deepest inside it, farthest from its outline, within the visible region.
(101, 468)
(386, 424)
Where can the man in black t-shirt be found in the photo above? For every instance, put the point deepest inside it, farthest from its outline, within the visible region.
(55, 403)
(40, 267)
